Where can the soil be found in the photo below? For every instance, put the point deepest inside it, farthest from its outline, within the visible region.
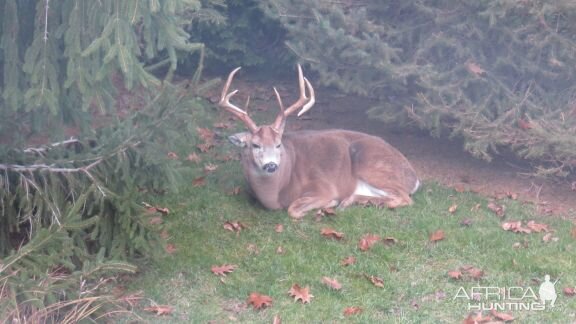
(440, 160)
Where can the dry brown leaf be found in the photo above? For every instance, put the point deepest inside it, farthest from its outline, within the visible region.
(376, 281)
(499, 210)
(172, 156)
(515, 227)
(348, 261)
(204, 147)
(455, 274)
(222, 125)
(389, 240)
(223, 269)
(473, 272)
(199, 182)
(331, 233)
(332, 283)
(300, 293)
(259, 301)
(537, 227)
(279, 228)
(155, 220)
(452, 209)
(502, 316)
(170, 248)
(193, 157)
(547, 238)
(159, 309)
(280, 250)
(475, 68)
(352, 310)
(367, 241)
(164, 235)
(276, 319)
(477, 318)
(207, 135)
(234, 226)
(437, 236)
(569, 291)
(524, 124)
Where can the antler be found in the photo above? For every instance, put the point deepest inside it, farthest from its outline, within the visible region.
(225, 103)
(304, 102)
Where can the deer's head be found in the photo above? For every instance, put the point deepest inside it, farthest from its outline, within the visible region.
(263, 144)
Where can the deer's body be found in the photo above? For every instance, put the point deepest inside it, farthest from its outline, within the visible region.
(306, 170)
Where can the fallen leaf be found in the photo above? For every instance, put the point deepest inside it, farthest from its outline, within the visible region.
(348, 261)
(234, 226)
(352, 310)
(164, 234)
(452, 209)
(299, 293)
(437, 236)
(569, 291)
(475, 68)
(499, 210)
(536, 227)
(210, 167)
(332, 283)
(204, 147)
(331, 233)
(253, 248)
(389, 240)
(524, 124)
(159, 309)
(475, 208)
(199, 182)
(477, 318)
(153, 209)
(547, 237)
(170, 248)
(280, 250)
(223, 269)
(376, 281)
(172, 156)
(515, 227)
(367, 241)
(472, 272)
(207, 135)
(573, 232)
(279, 228)
(502, 316)
(155, 220)
(259, 301)
(193, 157)
(455, 274)
(222, 125)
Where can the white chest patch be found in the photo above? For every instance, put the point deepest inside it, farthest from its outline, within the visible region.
(364, 189)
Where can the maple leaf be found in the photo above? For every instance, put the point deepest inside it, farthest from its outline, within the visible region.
(210, 167)
(279, 228)
(499, 210)
(352, 310)
(223, 269)
(376, 281)
(259, 301)
(502, 316)
(199, 182)
(437, 236)
(367, 241)
(170, 248)
(193, 157)
(569, 291)
(234, 226)
(536, 227)
(332, 283)
(207, 135)
(453, 209)
(348, 261)
(159, 309)
(455, 274)
(329, 232)
(299, 293)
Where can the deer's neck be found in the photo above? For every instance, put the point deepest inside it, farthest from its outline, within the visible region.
(267, 187)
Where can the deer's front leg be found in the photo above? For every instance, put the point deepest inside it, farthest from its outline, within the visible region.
(299, 207)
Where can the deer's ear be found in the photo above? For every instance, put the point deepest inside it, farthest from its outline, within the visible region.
(239, 139)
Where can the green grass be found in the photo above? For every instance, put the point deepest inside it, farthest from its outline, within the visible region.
(414, 270)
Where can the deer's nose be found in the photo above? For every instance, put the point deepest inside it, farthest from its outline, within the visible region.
(270, 167)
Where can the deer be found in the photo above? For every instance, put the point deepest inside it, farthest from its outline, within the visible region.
(309, 170)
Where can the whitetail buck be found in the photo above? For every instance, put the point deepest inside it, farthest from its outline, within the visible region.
(307, 170)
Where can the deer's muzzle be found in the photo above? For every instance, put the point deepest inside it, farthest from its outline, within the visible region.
(270, 167)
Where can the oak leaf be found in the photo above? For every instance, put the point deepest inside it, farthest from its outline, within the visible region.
(348, 261)
(259, 301)
(437, 236)
(367, 241)
(332, 283)
(331, 233)
(159, 309)
(352, 310)
(299, 293)
(223, 269)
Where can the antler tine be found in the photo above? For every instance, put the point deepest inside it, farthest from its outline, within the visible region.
(225, 103)
(279, 100)
(303, 100)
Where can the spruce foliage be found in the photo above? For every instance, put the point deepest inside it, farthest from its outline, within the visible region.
(496, 73)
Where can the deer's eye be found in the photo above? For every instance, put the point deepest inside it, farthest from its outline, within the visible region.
(278, 146)
(256, 146)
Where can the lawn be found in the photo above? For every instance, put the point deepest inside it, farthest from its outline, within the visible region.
(426, 276)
